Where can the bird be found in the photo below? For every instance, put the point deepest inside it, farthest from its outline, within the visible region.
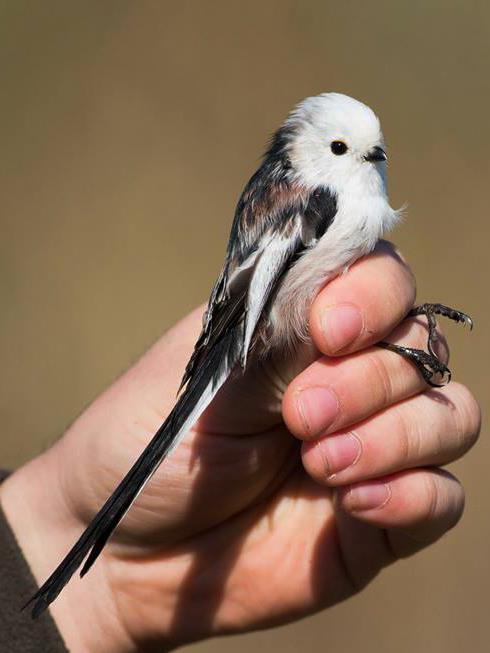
(317, 203)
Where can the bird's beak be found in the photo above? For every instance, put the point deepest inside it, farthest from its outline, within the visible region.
(376, 153)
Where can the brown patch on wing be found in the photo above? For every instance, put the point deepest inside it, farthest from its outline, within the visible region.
(260, 206)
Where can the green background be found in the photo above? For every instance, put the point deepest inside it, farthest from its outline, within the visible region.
(127, 132)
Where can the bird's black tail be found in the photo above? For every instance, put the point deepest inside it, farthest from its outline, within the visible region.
(198, 394)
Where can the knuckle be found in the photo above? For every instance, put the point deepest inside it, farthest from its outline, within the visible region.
(387, 247)
(398, 287)
(404, 282)
(410, 286)
(444, 498)
(452, 498)
(457, 506)
(400, 296)
(441, 346)
(380, 379)
(407, 441)
(467, 418)
(457, 509)
(431, 498)
(418, 334)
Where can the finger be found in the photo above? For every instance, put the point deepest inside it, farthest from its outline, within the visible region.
(420, 504)
(333, 393)
(433, 428)
(362, 306)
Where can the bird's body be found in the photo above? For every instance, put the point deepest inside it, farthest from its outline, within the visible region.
(316, 204)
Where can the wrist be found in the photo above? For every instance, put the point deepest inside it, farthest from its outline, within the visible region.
(45, 528)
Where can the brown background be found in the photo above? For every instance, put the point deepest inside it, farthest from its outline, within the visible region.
(128, 130)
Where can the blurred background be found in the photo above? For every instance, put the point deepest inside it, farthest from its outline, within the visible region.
(127, 132)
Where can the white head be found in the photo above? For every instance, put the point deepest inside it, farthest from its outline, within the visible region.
(337, 142)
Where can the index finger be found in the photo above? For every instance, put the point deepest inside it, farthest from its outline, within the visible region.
(362, 306)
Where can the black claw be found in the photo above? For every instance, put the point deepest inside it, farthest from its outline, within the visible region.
(444, 311)
(430, 311)
(427, 364)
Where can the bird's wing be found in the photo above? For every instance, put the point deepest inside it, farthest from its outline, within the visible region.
(259, 253)
(275, 221)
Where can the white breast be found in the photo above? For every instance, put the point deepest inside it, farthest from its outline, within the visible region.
(361, 219)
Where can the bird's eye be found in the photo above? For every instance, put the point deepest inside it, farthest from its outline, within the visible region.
(338, 147)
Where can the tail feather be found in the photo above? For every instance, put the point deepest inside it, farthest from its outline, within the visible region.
(198, 394)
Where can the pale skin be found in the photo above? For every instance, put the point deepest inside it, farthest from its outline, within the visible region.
(262, 515)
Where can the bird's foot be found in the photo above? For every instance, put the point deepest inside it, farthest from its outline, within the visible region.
(428, 363)
(430, 311)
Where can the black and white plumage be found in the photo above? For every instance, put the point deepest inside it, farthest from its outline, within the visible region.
(316, 204)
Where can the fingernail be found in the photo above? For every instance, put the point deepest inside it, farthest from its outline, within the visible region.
(340, 452)
(342, 324)
(368, 496)
(318, 408)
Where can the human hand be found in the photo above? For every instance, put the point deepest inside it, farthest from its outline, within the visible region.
(244, 526)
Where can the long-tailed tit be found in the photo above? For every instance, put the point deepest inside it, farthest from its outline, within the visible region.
(316, 204)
